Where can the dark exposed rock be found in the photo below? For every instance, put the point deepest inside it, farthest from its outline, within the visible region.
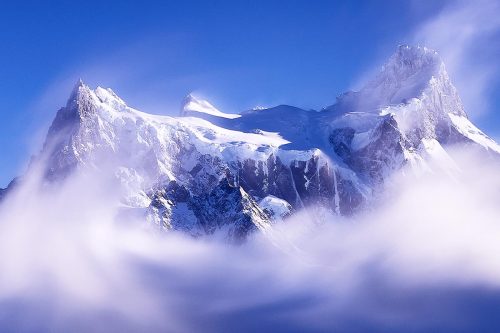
(226, 207)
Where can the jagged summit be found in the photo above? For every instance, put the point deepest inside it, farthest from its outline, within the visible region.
(406, 74)
(77, 90)
(412, 72)
(413, 58)
(79, 83)
(83, 95)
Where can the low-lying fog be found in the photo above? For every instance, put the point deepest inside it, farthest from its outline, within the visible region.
(427, 257)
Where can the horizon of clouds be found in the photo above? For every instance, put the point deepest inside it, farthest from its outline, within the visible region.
(69, 267)
(388, 269)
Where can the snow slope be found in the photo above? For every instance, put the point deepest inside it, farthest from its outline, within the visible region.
(197, 107)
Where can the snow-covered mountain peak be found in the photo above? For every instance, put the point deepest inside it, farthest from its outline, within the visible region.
(79, 83)
(416, 58)
(84, 102)
(199, 171)
(406, 75)
(80, 89)
(193, 106)
(413, 75)
(417, 62)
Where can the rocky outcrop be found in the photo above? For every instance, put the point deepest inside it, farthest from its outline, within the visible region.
(226, 209)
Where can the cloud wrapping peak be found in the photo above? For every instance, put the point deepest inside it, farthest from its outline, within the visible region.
(423, 259)
(458, 32)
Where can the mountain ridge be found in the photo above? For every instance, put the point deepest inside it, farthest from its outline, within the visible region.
(337, 158)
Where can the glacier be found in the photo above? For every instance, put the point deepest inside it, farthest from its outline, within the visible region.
(208, 172)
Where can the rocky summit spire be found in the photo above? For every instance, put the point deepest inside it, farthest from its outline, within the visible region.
(77, 88)
(405, 75)
(408, 60)
(412, 72)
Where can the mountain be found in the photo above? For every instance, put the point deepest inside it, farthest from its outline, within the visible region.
(206, 170)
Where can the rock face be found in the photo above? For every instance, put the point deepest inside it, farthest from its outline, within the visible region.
(208, 171)
(226, 207)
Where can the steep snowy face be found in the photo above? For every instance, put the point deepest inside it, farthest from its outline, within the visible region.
(406, 75)
(409, 73)
(425, 97)
(388, 124)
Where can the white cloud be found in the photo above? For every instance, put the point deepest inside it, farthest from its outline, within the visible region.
(430, 241)
(465, 33)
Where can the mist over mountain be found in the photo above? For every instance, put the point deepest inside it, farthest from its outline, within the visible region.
(276, 219)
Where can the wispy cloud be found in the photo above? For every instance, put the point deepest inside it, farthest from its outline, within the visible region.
(466, 33)
(414, 262)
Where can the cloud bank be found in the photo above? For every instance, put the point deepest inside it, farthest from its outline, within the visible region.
(426, 258)
(465, 33)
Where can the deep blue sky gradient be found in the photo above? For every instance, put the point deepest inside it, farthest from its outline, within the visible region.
(237, 54)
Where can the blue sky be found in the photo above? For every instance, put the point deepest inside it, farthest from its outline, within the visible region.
(237, 54)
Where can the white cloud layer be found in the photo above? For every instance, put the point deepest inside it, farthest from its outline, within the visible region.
(425, 257)
(466, 33)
